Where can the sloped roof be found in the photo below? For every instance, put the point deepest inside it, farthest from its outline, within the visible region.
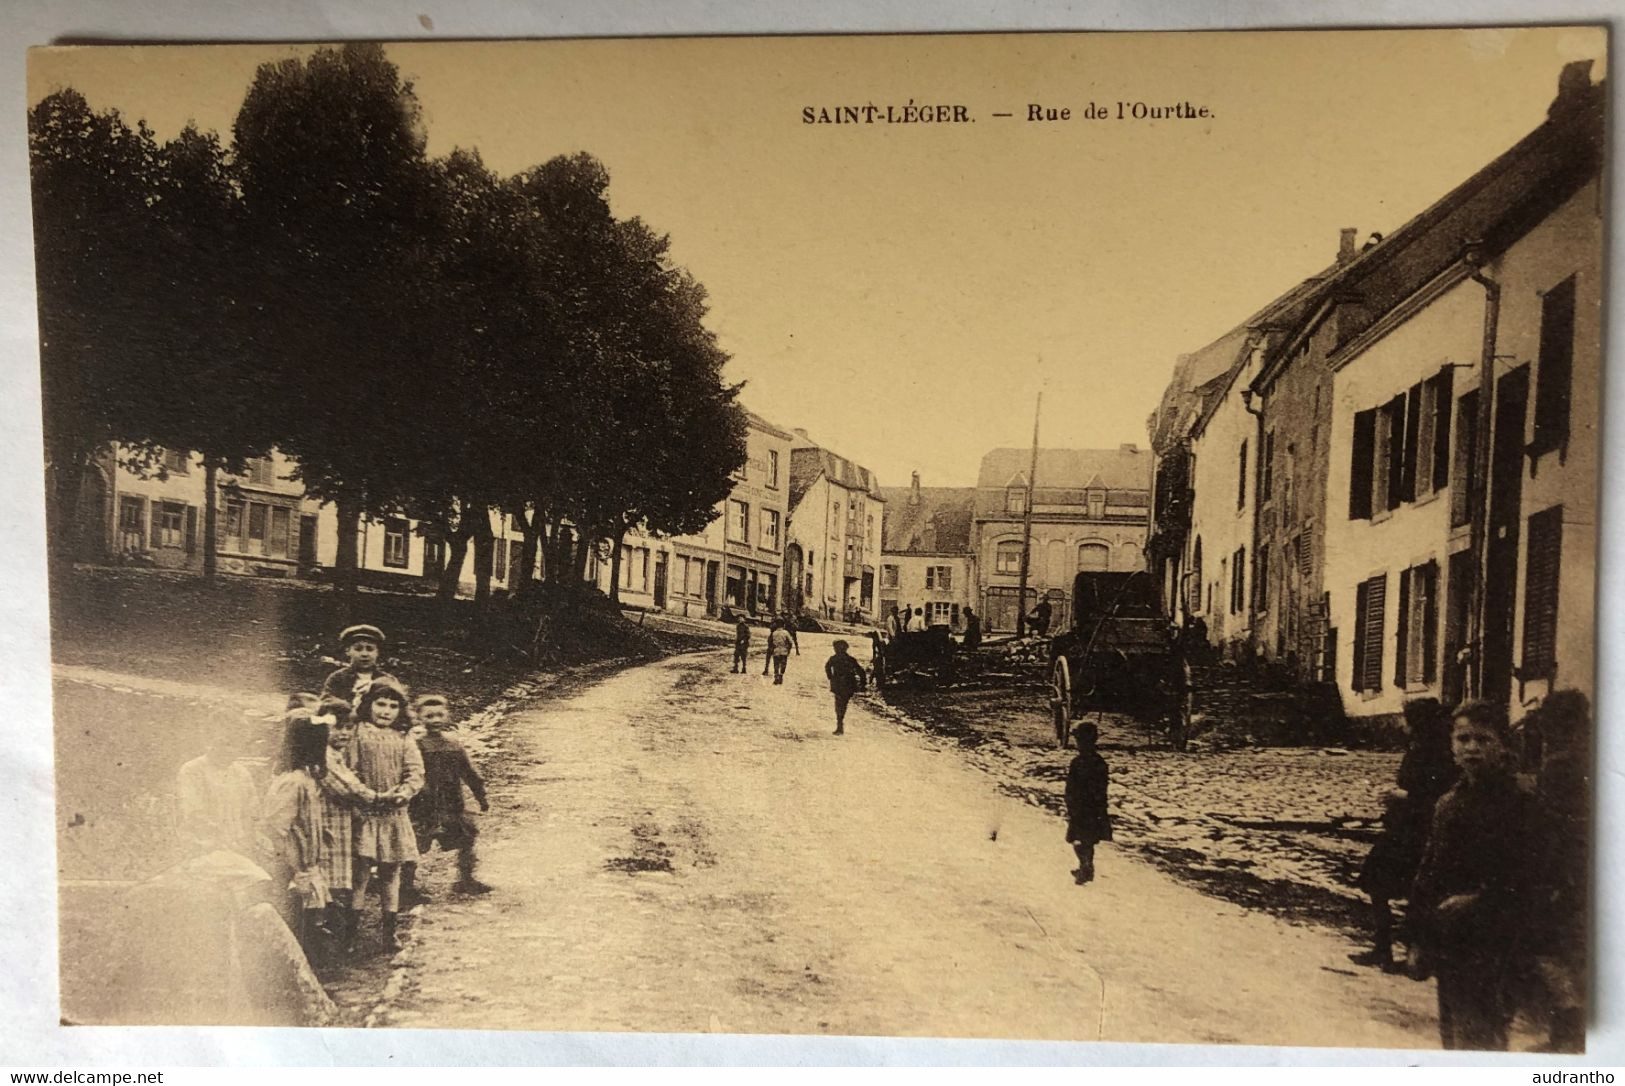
(766, 427)
(930, 519)
(807, 464)
(1073, 469)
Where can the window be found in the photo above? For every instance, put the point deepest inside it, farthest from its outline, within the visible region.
(1007, 558)
(643, 567)
(939, 578)
(770, 529)
(258, 516)
(1241, 477)
(396, 547)
(1441, 399)
(888, 576)
(176, 461)
(1238, 581)
(1556, 374)
(738, 521)
(132, 523)
(1465, 469)
(1266, 486)
(1409, 446)
(1390, 454)
(259, 471)
(1261, 579)
(1097, 504)
(1540, 594)
(626, 566)
(170, 527)
(941, 614)
(1015, 500)
(234, 519)
(773, 468)
(1093, 556)
(281, 529)
(1370, 600)
(1417, 638)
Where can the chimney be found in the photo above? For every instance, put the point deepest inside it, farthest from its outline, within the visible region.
(1128, 447)
(1572, 84)
(1345, 244)
(914, 490)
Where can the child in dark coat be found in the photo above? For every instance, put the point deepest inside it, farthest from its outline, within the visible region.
(741, 644)
(1472, 890)
(1562, 855)
(1087, 819)
(362, 646)
(437, 810)
(846, 678)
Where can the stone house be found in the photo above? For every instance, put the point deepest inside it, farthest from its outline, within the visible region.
(836, 514)
(927, 560)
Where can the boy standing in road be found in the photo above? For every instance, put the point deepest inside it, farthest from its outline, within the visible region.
(778, 647)
(845, 679)
(437, 810)
(1088, 822)
(362, 645)
(1471, 889)
(741, 645)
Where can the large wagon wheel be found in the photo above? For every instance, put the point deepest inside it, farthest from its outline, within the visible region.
(1060, 701)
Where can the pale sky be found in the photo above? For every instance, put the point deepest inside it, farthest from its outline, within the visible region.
(902, 291)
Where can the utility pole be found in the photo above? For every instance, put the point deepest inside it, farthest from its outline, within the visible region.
(1027, 528)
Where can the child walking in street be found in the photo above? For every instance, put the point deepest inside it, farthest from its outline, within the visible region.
(362, 645)
(1088, 822)
(741, 645)
(389, 763)
(845, 679)
(437, 811)
(1472, 888)
(778, 649)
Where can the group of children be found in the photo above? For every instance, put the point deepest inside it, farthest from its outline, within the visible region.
(366, 780)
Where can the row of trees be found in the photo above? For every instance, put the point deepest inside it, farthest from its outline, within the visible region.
(421, 335)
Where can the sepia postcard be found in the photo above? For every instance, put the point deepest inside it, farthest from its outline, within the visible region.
(1059, 536)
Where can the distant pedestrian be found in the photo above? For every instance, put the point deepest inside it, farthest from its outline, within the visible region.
(916, 621)
(973, 631)
(362, 646)
(779, 643)
(741, 645)
(390, 764)
(894, 625)
(1040, 618)
(216, 796)
(846, 678)
(767, 649)
(1088, 821)
(437, 810)
(1425, 773)
(1562, 850)
(1472, 889)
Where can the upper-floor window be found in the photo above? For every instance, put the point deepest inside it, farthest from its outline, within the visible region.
(1015, 500)
(177, 461)
(1007, 557)
(260, 471)
(888, 576)
(738, 521)
(1241, 477)
(1401, 451)
(773, 468)
(770, 529)
(1266, 485)
(940, 578)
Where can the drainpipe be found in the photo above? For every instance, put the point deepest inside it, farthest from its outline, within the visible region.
(1473, 257)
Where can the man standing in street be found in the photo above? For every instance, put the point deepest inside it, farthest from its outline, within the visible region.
(778, 647)
(741, 645)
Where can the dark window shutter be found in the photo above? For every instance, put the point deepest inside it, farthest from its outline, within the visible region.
(1365, 442)
(1376, 599)
(1540, 594)
(1461, 494)
(1395, 489)
(1443, 401)
(1413, 434)
(1357, 675)
(191, 529)
(1556, 374)
(1241, 477)
(1402, 629)
(1430, 623)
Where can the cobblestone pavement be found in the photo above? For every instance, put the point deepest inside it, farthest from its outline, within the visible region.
(1279, 828)
(678, 848)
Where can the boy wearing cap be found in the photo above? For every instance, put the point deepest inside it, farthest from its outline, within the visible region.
(437, 810)
(1088, 821)
(845, 679)
(362, 645)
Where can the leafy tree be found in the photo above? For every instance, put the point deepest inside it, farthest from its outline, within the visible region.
(339, 208)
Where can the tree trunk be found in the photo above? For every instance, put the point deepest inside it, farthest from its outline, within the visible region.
(557, 564)
(346, 566)
(484, 550)
(583, 553)
(530, 525)
(456, 555)
(211, 518)
(615, 569)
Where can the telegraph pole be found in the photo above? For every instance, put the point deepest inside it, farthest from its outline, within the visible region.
(1027, 528)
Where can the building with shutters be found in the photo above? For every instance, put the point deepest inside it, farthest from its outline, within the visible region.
(927, 560)
(1091, 511)
(836, 514)
(1460, 527)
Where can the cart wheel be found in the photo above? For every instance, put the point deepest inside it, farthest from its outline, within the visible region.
(1060, 701)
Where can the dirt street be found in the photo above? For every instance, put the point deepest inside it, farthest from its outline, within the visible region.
(678, 848)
